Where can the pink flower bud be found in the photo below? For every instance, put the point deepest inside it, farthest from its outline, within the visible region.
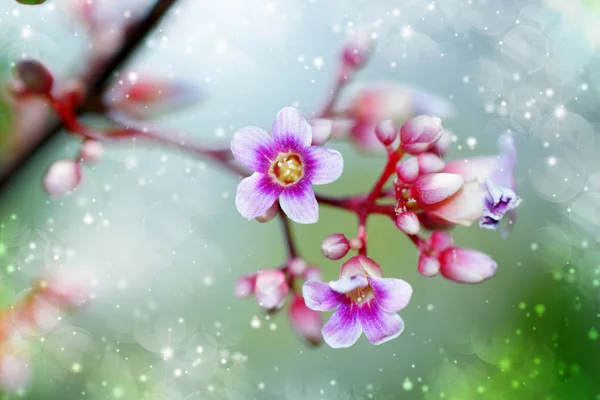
(443, 144)
(244, 287)
(61, 177)
(440, 241)
(428, 265)
(15, 371)
(36, 78)
(306, 322)
(408, 222)
(322, 129)
(335, 246)
(420, 133)
(430, 163)
(312, 273)
(386, 132)
(434, 188)
(91, 151)
(360, 265)
(269, 214)
(296, 266)
(462, 208)
(466, 265)
(356, 52)
(271, 288)
(408, 170)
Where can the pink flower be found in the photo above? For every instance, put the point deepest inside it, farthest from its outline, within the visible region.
(306, 322)
(286, 167)
(466, 265)
(364, 302)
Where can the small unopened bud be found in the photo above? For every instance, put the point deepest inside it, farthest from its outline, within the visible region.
(312, 273)
(428, 265)
(408, 222)
(321, 131)
(61, 177)
(296, 266)
(306, 322)
(434, 188)
(408, 170)
(466, 265)
(356, 243)
(420, 133)
(430, 163)
(440, 241)
(35, 77)
(356, 52)
(269, 214)
(443, 144)
(91, 151)
(386, 132)
(271, 288)
(335, 246)
(244, 287)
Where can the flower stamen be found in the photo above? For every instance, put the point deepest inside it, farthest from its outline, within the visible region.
(287, 168)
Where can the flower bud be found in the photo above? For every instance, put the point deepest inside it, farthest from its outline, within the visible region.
(335, 246)
(408, 170)
(420, 133)
(244, 287)
(271, 288)
(356, 53)
(443, 144)
(306, 322)
(91, 151)
(408, 222)
(296, 266)
(466, 265)
(35, 77)
(61, 177)
(430, 163)
(321, 131)
(428, 265)
(269, 214)
(360, 265)
(434, 188)
(440, 241)
(312, 273)
(386, 132)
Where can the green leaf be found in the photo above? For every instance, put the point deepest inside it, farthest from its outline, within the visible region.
(31, 2)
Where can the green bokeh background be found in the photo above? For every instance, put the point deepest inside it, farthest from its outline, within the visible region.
(167, 244)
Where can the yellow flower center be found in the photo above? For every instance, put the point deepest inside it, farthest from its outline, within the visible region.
(361, 295)
(287, 168)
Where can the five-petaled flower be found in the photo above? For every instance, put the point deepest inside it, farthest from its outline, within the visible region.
(365, 302)
(286, 166)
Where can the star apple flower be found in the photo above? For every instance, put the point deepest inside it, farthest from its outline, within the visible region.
(364, 302)
(286, 166)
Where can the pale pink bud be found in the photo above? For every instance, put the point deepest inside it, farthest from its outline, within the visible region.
(434, 188)
(440, 241)
(356, 52)
(408, 170)
(466, 265)
(408, 222)
(15, 371)
(244, 286)
(269, 214)
(306, 322)
(35, 77)
(322, 129)
(296, 266)
(271, 288)
(386, 132)
(420, 133)
(443, 144)
(312, 273)
(91, 151)
(360, 265)
(335, 246)
(428, 265)
(430, 163)
(61, 177)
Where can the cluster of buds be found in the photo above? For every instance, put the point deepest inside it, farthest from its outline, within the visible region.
(37, 313)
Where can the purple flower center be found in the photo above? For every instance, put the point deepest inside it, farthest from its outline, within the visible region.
(287, 168)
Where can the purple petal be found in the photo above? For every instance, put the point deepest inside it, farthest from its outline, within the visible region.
(291, 131)
(256, 194)
(379, 326)
(318, 296)
(253, 148)
(498, 201)
(392, 295)
(324, 165)
(299, 203)
(349, 283)
(502, 175)
(343, 328)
